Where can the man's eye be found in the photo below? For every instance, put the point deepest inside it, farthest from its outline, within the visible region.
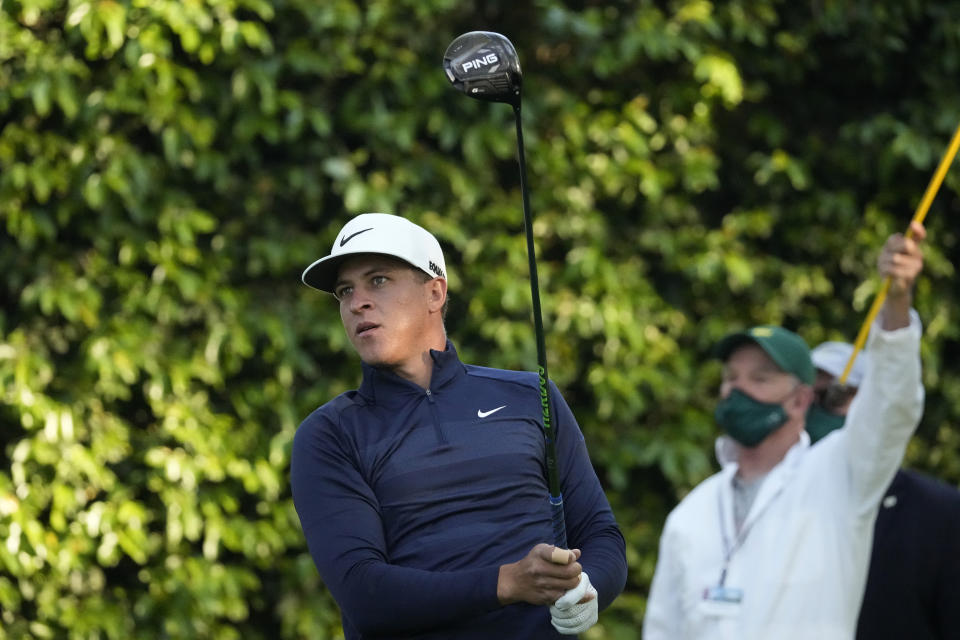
(379, 281)
(342, 291)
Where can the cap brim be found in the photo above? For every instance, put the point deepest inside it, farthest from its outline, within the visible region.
(322, 274)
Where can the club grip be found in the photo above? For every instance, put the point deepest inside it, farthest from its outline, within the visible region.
(559, 523)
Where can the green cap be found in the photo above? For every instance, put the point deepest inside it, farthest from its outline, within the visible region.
(785, 348)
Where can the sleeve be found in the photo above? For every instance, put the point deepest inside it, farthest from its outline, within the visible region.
(884, 413)
(591, 526)
(664, 614)
(340, 517)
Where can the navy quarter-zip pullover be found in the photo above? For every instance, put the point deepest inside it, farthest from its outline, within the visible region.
(411, 499)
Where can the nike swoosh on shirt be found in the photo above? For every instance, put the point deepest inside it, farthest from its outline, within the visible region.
(484, 414)
(353, 235)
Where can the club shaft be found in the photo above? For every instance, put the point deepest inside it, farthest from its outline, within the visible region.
(549, 429)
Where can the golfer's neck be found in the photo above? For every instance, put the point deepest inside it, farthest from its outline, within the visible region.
(419, 370)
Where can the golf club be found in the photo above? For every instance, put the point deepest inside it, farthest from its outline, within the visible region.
(484, 65)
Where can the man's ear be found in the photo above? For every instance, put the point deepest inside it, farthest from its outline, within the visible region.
(804, 397)
(437, 294)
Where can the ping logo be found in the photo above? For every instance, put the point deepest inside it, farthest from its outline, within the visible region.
(476, 63)
(436, 269)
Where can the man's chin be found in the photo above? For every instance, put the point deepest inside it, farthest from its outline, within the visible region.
(374, 358)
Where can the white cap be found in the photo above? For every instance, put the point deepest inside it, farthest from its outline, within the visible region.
(378, 233)
(832, 357)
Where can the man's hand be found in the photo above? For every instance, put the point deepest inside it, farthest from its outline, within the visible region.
(577, 610)
(537, 579)
(901, 260)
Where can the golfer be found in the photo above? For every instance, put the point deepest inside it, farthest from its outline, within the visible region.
(423, 494)
(776, 545)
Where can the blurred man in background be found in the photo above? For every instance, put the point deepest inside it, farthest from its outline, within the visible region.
(777, 544)
(423, 494)
(913, 587)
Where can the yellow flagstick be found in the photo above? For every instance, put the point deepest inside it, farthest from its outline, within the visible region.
(920, 214)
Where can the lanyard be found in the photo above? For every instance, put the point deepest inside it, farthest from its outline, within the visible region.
(728, 549)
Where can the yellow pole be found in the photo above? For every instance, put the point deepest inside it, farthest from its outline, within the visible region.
(920, 214)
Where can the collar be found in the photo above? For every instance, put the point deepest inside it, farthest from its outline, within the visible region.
(383, 387)
(728, 451)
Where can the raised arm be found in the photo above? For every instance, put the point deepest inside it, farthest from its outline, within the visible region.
(889, 404)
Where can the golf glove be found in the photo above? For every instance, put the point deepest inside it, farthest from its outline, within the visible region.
(570, 618)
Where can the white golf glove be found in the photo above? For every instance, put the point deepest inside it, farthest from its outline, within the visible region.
(570, 618)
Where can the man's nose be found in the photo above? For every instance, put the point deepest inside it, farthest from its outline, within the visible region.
(360, 299)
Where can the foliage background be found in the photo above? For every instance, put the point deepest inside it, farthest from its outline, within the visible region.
(168, 168)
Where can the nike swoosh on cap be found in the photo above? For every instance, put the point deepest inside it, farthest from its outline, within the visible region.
(353, 235)
(484, 414)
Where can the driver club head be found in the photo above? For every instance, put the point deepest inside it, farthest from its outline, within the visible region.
(484, 65)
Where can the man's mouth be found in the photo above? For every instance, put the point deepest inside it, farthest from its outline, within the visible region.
(364, 327)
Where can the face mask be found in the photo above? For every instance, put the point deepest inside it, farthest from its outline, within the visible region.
(820, 422)
(749, 421)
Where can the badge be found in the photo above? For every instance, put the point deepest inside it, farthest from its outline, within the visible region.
(722, 602)
(723, 594)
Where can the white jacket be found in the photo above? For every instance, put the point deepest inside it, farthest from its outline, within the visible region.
(803, 563)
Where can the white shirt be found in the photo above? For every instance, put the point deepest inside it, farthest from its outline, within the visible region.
(805, 545)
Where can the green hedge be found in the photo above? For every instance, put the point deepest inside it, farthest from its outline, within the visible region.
(168, 168)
